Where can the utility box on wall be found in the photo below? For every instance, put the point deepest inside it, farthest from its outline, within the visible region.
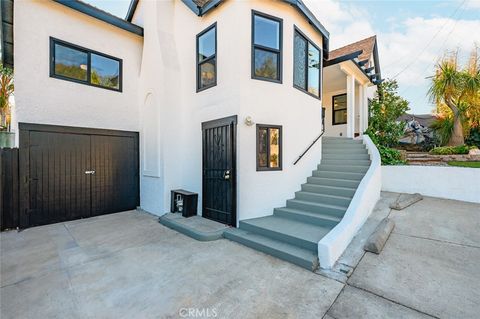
(184, 202)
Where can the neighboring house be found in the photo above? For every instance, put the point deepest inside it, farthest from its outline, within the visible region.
(222, 98)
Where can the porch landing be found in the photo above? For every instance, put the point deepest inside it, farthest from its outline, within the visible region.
(197, 227)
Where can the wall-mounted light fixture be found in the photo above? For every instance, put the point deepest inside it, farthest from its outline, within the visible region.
(249, 121)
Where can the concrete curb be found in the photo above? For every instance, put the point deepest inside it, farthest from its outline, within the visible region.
(190, 232)
(408, 200)
(379, 237)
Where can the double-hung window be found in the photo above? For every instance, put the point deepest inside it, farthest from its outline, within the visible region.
(339, 107)
(207, 58)
(266, 47)
(74, 63)
(307, 59)
(269, 147)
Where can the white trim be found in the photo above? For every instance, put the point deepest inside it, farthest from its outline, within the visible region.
(334, 243)
(350, 105)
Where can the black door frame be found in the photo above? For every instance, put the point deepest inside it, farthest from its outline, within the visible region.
(24, 158)
(230, 120)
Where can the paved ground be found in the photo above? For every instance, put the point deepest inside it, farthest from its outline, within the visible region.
(129, 266)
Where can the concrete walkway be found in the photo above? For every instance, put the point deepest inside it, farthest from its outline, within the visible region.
(127, 265)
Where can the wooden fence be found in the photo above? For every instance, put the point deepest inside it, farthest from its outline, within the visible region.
(9, 188)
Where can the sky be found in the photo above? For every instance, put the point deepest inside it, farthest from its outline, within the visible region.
(412, 35)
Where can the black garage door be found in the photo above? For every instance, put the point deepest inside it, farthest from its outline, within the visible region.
(69, 173)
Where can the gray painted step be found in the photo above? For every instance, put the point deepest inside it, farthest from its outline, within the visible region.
(329, 190)
(291, 253)
(341, 141)
(323, 198)
(346, 156)
(343, 168)
(316, 207)
(286, 230)
(346, 162)
(334, 146)
(338, 182)
(342, 175)
(344, 151)
(307, 217)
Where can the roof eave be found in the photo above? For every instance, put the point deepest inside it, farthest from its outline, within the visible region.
(314, 22)
(343, 58)
(102, 15)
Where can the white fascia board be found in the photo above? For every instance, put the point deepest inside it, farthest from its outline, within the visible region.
(350, 68)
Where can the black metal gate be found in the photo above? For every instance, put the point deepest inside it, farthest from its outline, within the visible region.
(219, 170)
(69, 173)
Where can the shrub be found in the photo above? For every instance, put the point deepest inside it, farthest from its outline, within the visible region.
(385, 108)
(450, 150)
(390, 156)
(443, 129)
(473, 138)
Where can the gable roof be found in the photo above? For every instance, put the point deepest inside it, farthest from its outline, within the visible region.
(104, 16)
(366, 46)
(361, 52)
(201, 7)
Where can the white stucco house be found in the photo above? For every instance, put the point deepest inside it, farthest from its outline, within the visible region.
(238, 101)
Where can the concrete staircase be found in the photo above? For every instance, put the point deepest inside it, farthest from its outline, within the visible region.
(292, 233)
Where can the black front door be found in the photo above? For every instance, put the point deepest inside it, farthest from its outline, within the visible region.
(219, 170)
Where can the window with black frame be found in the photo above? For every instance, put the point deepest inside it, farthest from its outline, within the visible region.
(74, 63)
(269, 147)
(266, 47)
(207, 58)
(307, 65)
(339, 108)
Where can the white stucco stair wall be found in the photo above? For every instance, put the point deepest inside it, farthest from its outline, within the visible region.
(366, 196)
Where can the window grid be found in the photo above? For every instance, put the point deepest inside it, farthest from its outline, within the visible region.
(268, 129)
(53, 74)
(338, 110)
(308, 42)
(278, 51)
(209, 59)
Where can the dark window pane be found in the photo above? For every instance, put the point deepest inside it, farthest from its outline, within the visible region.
(207, 73)
(105, 71)
(266, 32)
(313, 70)
(340, 117)
(206, 45)
(299, 78)
(70, 63)
(266, 64)
(340, 102)
(274, 147)
(262, 147)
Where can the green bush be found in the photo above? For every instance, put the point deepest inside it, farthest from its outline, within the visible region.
(443, 129)
(385, 108)
(390, 156)
(473, 138)
(450, 150)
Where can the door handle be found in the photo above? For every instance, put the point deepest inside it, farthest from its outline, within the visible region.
(226, 175)
(90, 172)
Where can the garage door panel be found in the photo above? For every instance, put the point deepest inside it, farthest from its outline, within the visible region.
(114, 185)
(59, 188)
(54, 161)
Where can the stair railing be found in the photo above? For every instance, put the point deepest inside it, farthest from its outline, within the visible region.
(310, 146)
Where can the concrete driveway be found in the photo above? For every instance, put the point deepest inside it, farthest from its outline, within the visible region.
(127, 265)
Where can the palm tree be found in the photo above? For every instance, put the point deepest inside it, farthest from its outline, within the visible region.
(455, 88)
(6, 90)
